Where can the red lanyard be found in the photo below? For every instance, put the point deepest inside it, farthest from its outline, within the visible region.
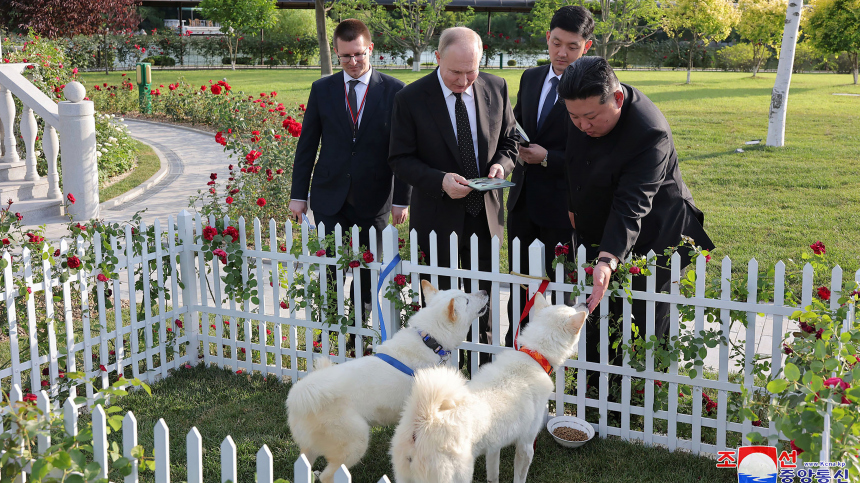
(354, 116)
(526, 309)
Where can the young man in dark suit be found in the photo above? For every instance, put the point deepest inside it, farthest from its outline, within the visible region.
(537, 205)
(450, 126)
(625, 189)
(348, 119)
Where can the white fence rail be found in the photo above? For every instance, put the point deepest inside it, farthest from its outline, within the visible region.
(178, 314)
(161, 451)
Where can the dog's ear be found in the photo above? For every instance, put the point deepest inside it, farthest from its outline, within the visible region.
(452, 314)
(540, 302)
(578, 320)
(429, 290)
(447, 405)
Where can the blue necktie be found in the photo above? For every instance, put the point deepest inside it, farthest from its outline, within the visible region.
(548, 102)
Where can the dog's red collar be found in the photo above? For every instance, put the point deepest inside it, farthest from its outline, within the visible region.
(539, 358)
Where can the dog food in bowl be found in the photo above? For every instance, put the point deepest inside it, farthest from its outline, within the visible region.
(570, 431)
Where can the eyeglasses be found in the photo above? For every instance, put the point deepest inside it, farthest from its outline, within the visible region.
(358, 57)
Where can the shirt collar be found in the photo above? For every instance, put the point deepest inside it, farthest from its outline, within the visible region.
(364, 79)
(550, 75)
(447, 92)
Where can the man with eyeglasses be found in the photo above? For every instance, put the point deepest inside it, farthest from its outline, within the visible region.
(348, 119)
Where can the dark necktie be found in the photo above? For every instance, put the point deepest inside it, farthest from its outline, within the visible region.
(475, 199)
(353, 106)
(548, 102)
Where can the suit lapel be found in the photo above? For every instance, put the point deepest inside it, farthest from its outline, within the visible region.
(482, 108)
(438, 108)
(338, 103)
(534, 94)
(371, 104)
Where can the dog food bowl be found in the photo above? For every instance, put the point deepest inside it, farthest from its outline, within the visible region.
(569, 422)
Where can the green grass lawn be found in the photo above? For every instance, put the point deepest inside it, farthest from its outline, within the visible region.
(147, 165)
(765, 203)
(251, 410)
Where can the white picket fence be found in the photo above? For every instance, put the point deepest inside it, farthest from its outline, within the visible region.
(302, 472)
(271, 340)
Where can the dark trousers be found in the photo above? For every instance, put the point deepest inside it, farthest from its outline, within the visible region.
(347, 217)
(522, 227)
(638, 312)
(471, 225)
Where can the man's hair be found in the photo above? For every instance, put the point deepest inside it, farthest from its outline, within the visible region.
(351, 29)
(573, 19)
(459, 35)
(588, 77)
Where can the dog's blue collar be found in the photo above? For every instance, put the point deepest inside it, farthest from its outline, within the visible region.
(396, 364)
(436, 347)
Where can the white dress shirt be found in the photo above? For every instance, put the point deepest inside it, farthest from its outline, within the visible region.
(546, 86)
(360, 90)
(469, 99)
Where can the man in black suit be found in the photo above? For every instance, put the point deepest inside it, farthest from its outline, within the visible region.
(449, 126)
(350, 113)
(537, 205)
(625, 187)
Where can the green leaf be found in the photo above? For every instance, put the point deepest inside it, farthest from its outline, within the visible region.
(92, 470)
(776, 386)
(63, 460)
(703, 352)
(792, 373)
(831, 364)
(693, 373)
(816, 383)
(816, 366)
(75, 479)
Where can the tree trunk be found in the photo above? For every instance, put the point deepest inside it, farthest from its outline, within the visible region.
(105, 56)
(690, 60)
(779, 95)
(856, 57)
(322, 39)
(416, 60)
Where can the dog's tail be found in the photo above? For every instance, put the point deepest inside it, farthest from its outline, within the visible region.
(430, 437)
(321, 363)
(310, 394)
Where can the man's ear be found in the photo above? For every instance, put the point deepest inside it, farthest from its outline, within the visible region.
(429, 290)
(452, 314)
(540, 302)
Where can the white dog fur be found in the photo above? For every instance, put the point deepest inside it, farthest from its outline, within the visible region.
(447, 422)
(330, 411)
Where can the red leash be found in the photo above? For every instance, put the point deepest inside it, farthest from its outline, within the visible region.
(527, 308)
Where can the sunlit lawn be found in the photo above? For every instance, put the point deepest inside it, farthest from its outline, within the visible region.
(766, 203)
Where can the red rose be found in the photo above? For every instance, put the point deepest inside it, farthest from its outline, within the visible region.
(368, 257)
(284, 305)
(261, 202)
(658, 383)
(561, 250)
(320, 253)
(824, 293)
(818, 248)
(757, 422)
(103, 368)
(788, 350)
(71, 198)
(354, 264)
(232, 232)
(836, 381)
(178, 323)
(202, 88)
(30, 397)
(6, 241)
(102, 278)
(45, 383)
(589, 270)
(400, 279)
(216, 89)
(229, 200)
(635, 270)
(73, 262)
(416, 307)
(572, 276)
(209, 232)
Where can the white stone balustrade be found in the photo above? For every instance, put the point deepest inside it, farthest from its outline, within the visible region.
(69, 125)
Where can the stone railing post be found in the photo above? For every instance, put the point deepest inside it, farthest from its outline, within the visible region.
(7, 116)
(78, 145)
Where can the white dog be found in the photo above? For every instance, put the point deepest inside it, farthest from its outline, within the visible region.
(447, 423)
(332, 409)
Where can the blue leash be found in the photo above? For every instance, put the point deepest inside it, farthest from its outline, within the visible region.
(396, 364)
(388, 268)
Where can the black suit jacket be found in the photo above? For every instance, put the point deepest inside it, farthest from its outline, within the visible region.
(626, 190)
(343, 165)
(424, 148)
(545, 187)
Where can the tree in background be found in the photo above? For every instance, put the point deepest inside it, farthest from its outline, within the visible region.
(617, 23)
(413, 24)
(834, 27)
(762, 23)
(706, 21)
(237, 17)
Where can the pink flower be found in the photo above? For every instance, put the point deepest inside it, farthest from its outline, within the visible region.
(834, 381)
(102, 278)
(635, 270)
(320, 253)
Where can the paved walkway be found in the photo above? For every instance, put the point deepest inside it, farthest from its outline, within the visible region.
(191, 155)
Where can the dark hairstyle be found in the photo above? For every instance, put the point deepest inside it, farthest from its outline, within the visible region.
(574, 19)
(349, 30)
(588, 77)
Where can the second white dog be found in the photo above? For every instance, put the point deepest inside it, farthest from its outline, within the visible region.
(447, 422)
